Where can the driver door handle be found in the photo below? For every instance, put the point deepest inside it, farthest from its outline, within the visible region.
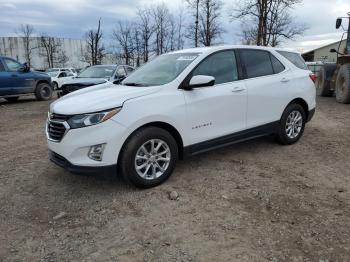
(237, 89)
(284, 80)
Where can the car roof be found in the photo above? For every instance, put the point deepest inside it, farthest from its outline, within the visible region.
(211, 49)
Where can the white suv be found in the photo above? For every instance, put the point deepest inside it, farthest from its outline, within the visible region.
(181, 104)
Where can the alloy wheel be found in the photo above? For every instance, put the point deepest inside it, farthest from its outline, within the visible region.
(294, 124)
(152, 159)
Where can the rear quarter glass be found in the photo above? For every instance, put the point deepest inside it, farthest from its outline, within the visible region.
(295, 58)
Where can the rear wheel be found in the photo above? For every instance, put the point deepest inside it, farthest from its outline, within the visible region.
(342, 90)
(43, 92)
(292, 125)
(12, 98)
(148, 157)
(323, 81)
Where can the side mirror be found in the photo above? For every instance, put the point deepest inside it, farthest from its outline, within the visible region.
(333, 50)
(118, 79)
(338, 23)
(24, 68)
(200, 81)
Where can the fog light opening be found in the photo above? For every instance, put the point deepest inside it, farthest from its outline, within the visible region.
(96, 152)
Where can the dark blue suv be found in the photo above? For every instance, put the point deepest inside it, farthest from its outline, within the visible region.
(17, 79)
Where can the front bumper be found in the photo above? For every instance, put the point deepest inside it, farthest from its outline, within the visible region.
(64, 163)
(72, 151)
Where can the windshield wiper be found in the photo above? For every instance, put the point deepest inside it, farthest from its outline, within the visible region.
(133, 84)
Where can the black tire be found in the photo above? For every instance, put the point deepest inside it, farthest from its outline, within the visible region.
(12, 99)
(281, 134)
(43, 92)
(127, 160)
(55, 86)
(342, 90)
(323, 81)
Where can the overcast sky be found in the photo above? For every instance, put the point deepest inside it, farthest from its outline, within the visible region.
(71, 18)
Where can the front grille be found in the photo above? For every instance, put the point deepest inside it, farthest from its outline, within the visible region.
(58, 117)
(56, 130)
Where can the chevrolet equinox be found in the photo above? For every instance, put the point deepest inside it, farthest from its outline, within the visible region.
(180, 104)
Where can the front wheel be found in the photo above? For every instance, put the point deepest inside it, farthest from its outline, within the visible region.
(43, 92)
(291, 125)
(148, 157)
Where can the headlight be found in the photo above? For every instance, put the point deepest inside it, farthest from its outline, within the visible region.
(84, 120)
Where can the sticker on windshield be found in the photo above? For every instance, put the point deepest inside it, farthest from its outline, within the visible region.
(108, 70)
(186, 58)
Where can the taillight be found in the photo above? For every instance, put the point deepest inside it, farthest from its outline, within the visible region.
(313, 77)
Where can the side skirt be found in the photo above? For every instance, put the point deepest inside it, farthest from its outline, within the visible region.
(234, 138)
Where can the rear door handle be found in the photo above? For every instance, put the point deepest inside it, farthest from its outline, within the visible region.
(237, 89)
(284, 80)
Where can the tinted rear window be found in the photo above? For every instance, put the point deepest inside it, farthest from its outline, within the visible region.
(294, 58)
(257, 63)
(2, 68)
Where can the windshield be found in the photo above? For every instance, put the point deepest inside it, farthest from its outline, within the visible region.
(52, 74)
(52, 70)
(161, 70)
(97, 72)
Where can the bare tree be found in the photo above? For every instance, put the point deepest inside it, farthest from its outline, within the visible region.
(210, 28)
(193, 29)
(146, 29)
(25, 31)
(95, 49)
(267, 21)
(50, 48)
(162, 24)
(180, 25)
(123, 34)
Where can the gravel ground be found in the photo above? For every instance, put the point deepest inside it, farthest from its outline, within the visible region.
(255, 201)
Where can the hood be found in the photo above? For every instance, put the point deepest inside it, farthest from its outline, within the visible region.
(85, 81)
(42, 74)
(98, 98)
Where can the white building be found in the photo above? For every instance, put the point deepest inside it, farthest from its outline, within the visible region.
(71, 48)
(322, 54)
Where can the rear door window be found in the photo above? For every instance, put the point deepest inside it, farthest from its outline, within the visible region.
(257, 63)
(295, 59)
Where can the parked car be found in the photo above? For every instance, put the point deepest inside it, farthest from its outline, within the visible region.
(71, 70)
(59, 77)
(17, 79)
(181, 104)
(95, 75)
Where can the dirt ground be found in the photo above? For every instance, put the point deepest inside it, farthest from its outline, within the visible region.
(255, 201)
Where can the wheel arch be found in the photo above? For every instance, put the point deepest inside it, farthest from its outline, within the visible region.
(301, 102)
(42, 82)
(166, 126)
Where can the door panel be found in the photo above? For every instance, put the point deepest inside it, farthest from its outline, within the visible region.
(267, 86)
(20, 82)
(217, 110)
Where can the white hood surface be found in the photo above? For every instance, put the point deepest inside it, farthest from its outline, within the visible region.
(98, 98)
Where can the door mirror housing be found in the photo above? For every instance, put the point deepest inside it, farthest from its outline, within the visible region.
(200, 81)
(118, 79)
(24, 68)
(338, 23)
